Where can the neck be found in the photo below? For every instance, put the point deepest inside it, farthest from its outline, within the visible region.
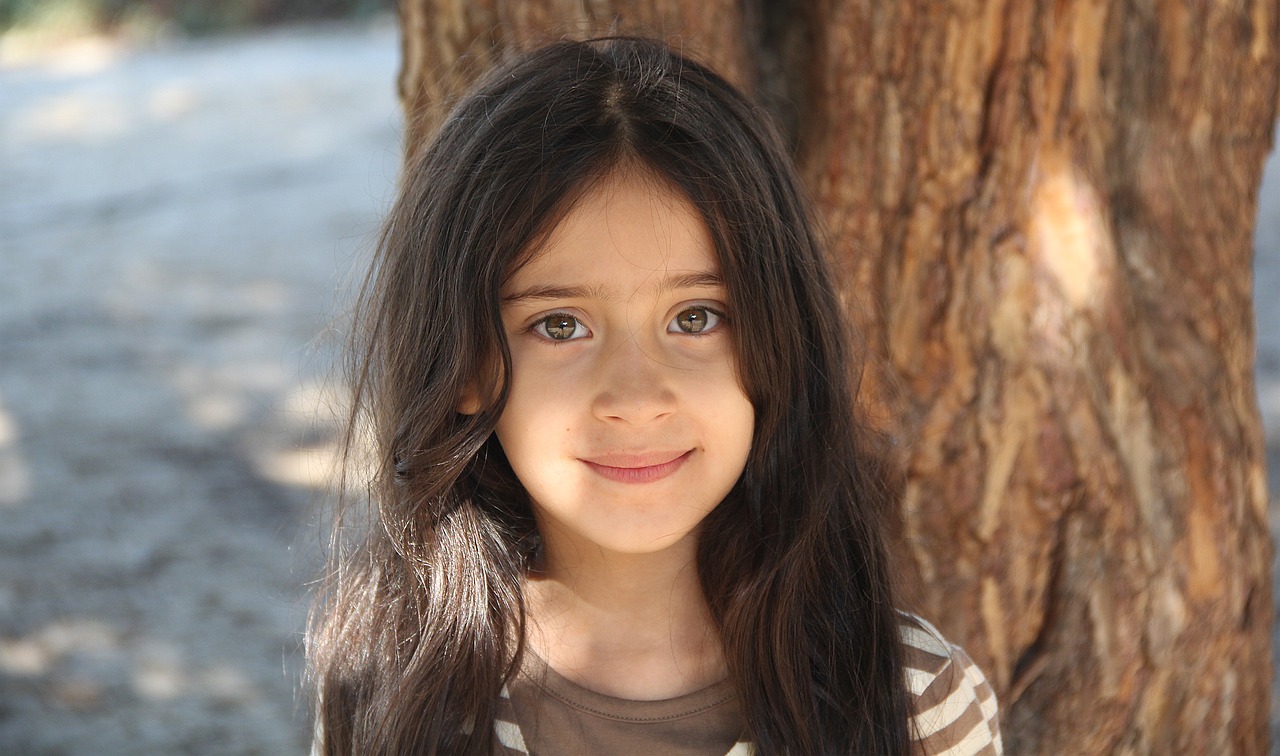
(633, 626)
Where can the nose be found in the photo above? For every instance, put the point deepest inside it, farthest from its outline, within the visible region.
(633, 385)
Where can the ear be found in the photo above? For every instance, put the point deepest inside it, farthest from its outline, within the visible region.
(469, 401)
(479, 392)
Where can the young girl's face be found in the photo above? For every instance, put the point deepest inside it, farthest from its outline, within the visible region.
(625, 421)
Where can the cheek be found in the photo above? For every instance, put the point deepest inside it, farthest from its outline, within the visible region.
(717, 383)
(539, 412)
(724, 411)
(538, 390)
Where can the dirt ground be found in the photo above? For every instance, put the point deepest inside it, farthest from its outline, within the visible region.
(177, 227)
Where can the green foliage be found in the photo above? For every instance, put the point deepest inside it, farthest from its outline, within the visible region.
(195, 17)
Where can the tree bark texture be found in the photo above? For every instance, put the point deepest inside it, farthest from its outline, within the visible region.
(1044, 211)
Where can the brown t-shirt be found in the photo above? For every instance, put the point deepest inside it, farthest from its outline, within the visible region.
(954, 710)
(557, 716)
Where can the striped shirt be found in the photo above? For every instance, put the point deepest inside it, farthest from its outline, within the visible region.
(954, 706)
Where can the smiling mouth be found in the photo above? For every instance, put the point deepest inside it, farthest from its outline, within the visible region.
(637, 468)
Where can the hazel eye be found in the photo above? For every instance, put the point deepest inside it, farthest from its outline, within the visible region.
(695, 320)
(560, 327)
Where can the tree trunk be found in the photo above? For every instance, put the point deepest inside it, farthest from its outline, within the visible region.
(1045, 211)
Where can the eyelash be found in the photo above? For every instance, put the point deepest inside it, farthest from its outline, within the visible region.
(538, 327)
(542, 321)
(720, 320)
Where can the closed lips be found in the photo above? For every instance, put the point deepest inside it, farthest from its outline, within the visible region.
(637, 468)
(634, 459)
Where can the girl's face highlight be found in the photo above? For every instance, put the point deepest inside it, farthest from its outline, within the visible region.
(625, 420)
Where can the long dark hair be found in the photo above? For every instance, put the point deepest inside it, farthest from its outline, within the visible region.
(422, 621)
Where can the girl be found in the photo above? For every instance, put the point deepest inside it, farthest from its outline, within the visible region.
(622, 499)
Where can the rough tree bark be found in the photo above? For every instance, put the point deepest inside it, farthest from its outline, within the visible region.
(1046, 211)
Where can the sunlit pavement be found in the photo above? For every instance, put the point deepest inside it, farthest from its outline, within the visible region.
(175, 227)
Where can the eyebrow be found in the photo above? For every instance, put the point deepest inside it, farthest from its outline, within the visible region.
(669, 283)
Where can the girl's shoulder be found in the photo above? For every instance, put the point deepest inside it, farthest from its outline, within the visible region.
(955, 707)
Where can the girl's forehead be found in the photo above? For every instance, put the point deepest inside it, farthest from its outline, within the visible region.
(627, 224)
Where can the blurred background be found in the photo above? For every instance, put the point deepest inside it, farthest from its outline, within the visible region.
(186, 189)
